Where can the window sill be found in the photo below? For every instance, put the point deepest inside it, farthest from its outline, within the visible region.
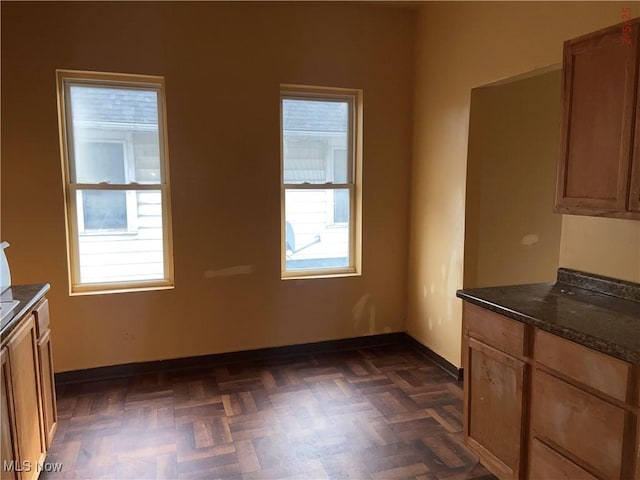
(313, 275)
(104, 289)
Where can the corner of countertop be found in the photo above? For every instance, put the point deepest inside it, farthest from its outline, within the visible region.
(28, 295)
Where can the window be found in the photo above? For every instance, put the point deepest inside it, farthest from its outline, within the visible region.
(116, 182)
(321, 178)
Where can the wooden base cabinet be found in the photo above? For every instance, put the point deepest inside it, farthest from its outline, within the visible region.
(7, 418)
(583, 408)
(496, 374)
(28, 414)
(539, 407)
(25, 385)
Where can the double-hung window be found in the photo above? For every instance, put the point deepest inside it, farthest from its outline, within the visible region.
(116, 181)
(321, 166)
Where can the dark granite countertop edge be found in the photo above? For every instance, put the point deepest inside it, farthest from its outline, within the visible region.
(589, 341)
(26, 308)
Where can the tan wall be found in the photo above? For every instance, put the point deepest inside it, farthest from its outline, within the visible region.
(512, 235)
(223, 64)
(606, 246)
(460, 46)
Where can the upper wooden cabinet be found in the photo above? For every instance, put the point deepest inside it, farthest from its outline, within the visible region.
(599, 160)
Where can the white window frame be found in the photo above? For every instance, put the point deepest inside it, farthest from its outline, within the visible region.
(65, 79)
(353, 97)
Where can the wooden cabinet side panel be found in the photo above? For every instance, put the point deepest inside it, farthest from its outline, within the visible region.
(47, 386)
(598, 103)
(465, 387)
(41, 311)
(8, 441)
(27, 396)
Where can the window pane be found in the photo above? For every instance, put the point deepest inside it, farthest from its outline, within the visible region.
(104, 210)
(312, 131)
(341, 196)
(135, 254)
(100, 162)
(115, 126)
(340, 166)
(313, 241)
(341, 205)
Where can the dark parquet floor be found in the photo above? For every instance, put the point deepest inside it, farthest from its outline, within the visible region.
(376, 413)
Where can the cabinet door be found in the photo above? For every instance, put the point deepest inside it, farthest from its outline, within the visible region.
(7, 418)
(23, 355)
(47, 386)
(598, 103)
(494, 410)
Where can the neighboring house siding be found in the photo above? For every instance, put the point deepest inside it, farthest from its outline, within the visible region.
(307, 212)
(121, 256)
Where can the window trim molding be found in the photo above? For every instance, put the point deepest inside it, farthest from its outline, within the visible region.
(64, 78)
(354, 139)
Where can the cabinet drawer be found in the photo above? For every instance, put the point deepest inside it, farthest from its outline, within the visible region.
(577, 422)
(496, 330)
(589, 367)
(547, 463)
(42, 316)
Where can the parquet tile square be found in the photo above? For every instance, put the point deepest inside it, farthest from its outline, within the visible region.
(371, 414)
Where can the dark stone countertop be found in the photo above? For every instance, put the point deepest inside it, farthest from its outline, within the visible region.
(28, 296)
(597, 320)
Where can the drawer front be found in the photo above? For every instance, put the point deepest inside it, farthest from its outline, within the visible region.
(586, 426)
(594, 369)
(496, 330)
(42, 316)
(546, 463)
